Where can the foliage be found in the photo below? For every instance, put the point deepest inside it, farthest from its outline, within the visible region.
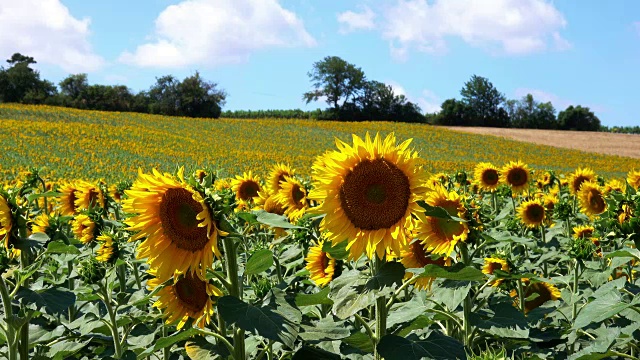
(578, 118)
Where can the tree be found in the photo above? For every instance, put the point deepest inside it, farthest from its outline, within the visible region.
(336, 80)
(164, 96)
(74, 86)
(578, 118)
(453, 112)
(527, 113)
(20, 79)
(484, 102)
(200, 98)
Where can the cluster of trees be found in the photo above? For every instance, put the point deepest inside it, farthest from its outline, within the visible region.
(352, 97)
(193, 96)
(483, 105)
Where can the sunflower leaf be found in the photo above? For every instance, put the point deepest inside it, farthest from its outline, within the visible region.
(59, 247)
(456, 272)
(274, 220)
(438, 212)
(624, 253)
(47, 194)
(436, 346)
(308, 352)
(259, 261)
(314, 299)
(390, 274)
(168, 341)
(338, 251)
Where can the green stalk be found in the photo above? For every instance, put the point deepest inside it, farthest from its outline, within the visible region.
(381, 310)
(576, 279)
(23, 347)
(166, 351)
(521, 298)
(494, 201)
(71, 285)
(466, 305)
(544, 242)
(106, 298)
(8, 313)
(235, 289)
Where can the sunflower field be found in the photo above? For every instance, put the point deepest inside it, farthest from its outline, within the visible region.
(363, 254)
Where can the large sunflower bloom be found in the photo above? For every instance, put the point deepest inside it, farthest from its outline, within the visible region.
(188, 297)
(180, 233)
(68, 197)
(591, 199)
(321, 265)
(293, 198)
(532, 213)
(492, 264)
(438, 234)
(368, 192)
(6, 222)
(415, 256)
(580, 176)
(88, 195)
(516, 175)
(487, 176)
(546, 292)
(246, 186)
(277, 176)
(633, 178)
(83, 228)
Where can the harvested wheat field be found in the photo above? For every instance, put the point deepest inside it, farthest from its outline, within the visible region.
(599, 142)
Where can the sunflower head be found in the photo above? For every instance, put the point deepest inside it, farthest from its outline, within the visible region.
(108, 250)
(614, 185)
(633, 178)
(68, 195)
(438, 179)
(222, 184)
(177, 226)
(277, 176)
(487, 176)
(580, 176)
(545, 292)
(83, 228)
(6, 222)
(188, 297)
(42, 224)
(591, 199)
(416, 256)
(246, 188)
(516, 175)
(292, 196)
(583, 231)
(368, 192)
(441, 235)
(492, 264)
(532, 213)
(549, 201)
(321, 265)
(625, 213)
(88, 196)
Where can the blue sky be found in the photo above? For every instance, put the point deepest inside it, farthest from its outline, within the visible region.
(583, 52)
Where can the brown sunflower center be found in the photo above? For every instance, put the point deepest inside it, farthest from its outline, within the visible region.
(490, 177)
(192, 293)
(272, 206)
(535, 213)
(178, 211)
(71, 199)
(375, 194)
(296, 193)
(596, 201)
(577, 182)
(517, 177)
(544, 295)
(324, 260)
(422, 257)
(248, 189)
(584, 233)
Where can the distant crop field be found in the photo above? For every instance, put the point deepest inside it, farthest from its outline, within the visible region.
(106, 145)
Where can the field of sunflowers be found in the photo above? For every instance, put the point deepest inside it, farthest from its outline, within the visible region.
(380, 247)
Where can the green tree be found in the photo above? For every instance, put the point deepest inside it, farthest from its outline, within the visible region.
(336, 80)
(73, 86)
(20, 79)
(485, 103)
(578, 118)
(200, 98)
(454, 113)
(164, 96)
(527, 113)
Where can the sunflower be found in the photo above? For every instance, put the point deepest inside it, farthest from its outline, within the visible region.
(292, 196)
(546, 178)
(107, 250)
(591, 199)
(180, 233)
(441, 235)
(544, 290)
(222, 184)
(633, 178)
(321, 265)
(88, 195)
(277, 176)
(614, 185)
(487, 176)
(200, 175)
(246, 186)
(438, 179)
(531, 213)
(416, 256)
(6, 222)
(368, 192)
(83, 228)
(580, 176)
(41, 224)
(188, 297)
(68, 197)
(549, 201)
(516, 175)
(492, 264)
(583, 231)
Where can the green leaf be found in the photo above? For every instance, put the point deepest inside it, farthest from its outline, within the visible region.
(436, 346)
(421, 322)
(602, 308)
(451, 293)
(338, 251)
(407, 311)
(274, 220)
(307, 352)
(261, 320)
(54, 300)
(505, 322)
(59, 247)
(456, 272)
(624, 253)
(168, 341)
(318, 298)
(391, 273)
(324, 330)
(349, 294)
(360, 341)
(199, 348)
(47, 194)
(260, 261)
(250, 218)
(64, 349)
(438, 212)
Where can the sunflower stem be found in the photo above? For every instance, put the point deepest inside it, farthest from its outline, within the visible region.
(8, 314)
(166, 351)
(576, 279)
(381, 310)
(466, 305)
(521, 296)
(71, 285)
(23, 347)
(106, 298)
(235, 289)
(136, 274)
(544, 243)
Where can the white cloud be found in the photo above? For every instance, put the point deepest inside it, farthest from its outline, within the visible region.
(500, 26)
(45, 30)
(211, 32)
(351, 21)
(428, 101)
(397, 88)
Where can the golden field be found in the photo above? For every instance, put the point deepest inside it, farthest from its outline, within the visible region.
(78, 144)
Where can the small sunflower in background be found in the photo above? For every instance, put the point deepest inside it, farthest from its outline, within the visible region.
(633, 178)
(321, 266)
(614, 185)
(625, 213)
(583, 231)
(188, 297)
(292, 196)
(368, 191)
(532, 213)
(84, 228)
(580, 176)
(6, 222)
(438, 234)
(545, 291)
(246, 188)
(591, 199)
(179, 231)
(88, 196)
(277, 176)
(491, 264)
(416, 256)
(108, 250)
(516, 175)
(438, 179)
(68, 197)
(487, 176)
